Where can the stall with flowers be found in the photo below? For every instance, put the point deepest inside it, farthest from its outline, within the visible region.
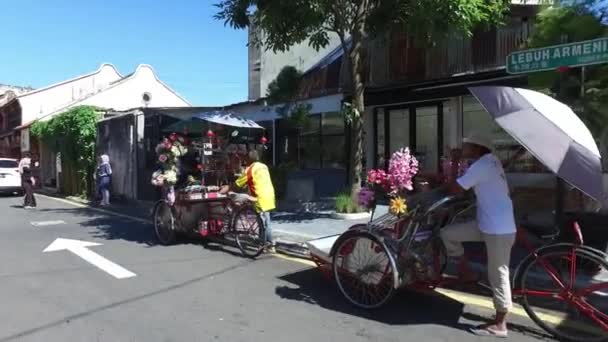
(193, 165)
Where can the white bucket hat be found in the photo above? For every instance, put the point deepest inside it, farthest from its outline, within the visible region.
(480, 140)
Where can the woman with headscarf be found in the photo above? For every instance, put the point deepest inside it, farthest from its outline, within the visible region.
(104, 179)
(27, 182)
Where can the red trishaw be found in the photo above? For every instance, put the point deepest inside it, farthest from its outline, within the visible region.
(204, 163)
(369, 262)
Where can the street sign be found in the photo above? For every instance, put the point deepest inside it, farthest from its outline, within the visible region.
(552, 57)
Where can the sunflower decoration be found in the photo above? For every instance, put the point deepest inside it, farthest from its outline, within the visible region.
(397, 206)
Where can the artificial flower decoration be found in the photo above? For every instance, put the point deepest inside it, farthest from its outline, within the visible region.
(397, 206)
(169, 150)
(394, 183)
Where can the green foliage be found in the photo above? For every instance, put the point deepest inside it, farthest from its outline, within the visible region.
(73, 134)
(582, 20)
(284, 90)
(345, 204)
(285, 87)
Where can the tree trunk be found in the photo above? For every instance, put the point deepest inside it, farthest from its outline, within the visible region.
(358, 103)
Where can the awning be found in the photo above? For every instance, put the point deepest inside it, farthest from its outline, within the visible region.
(25, 125)
(227, 118)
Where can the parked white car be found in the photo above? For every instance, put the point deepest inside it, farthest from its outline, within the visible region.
(10, 179)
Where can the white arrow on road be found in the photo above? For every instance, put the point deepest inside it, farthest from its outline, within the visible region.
(79, 248)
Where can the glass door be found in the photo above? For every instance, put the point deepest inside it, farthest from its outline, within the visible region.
(427, 137)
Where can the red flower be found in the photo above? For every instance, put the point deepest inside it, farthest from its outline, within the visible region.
(264, 140)
(210, 134)
(199, 166)
(173, 136)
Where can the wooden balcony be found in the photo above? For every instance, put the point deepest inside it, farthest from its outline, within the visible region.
(396, 59)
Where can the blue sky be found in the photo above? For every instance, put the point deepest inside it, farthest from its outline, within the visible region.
(43, 42)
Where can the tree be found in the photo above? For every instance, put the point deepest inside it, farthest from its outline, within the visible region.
(284, 91)
(285, 23)
(73, 134)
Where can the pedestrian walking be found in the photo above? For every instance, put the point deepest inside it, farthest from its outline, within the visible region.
(104, 179)
(27, 182)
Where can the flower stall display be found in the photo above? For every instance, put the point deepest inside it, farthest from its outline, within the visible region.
(168, 152)
(392, 184)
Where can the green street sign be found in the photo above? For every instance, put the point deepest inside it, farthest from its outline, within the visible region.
(552, 57)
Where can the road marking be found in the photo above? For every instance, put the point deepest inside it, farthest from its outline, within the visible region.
(109, 212)
(80, 249)
(46, 223)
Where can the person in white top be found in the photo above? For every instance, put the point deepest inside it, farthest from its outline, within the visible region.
(495, 225)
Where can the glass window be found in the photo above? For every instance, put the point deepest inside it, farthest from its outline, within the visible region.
(427, 137)
(334, 152)
(310, 152)
(333, 123)
(380, 139)
(8, 164)
(399, 128)
(313, 126)
(476, 119)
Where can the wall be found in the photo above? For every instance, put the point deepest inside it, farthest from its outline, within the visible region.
(301, 56)
(129, 92)
(43, 101)
(115, 138)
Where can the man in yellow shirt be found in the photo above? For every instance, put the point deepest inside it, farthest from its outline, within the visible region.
(257, 180)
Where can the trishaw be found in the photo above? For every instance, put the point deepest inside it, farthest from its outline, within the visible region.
(369, 262)
(196, 207)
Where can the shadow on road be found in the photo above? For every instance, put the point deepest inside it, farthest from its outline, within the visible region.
(109, 227)
(406, 308)
(284, 217)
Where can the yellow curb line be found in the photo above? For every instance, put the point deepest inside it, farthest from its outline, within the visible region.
(109, 212)
(461, 297)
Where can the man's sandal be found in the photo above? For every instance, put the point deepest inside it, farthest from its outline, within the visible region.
(489, 332)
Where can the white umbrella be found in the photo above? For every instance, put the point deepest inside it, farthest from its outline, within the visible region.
(550, 130)
(228, 119)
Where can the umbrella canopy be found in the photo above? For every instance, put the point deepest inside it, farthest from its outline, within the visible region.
(550, 130)
(227, 118)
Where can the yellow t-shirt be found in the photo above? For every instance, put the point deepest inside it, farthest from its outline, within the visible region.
(257, 179)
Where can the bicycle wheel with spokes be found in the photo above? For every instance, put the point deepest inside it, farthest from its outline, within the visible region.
(248, 230)
(164, 223)
(563, 298)
(364, 271)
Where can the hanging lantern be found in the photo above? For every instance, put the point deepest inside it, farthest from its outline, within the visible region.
(210, 134)
(563, 69)
(264, 140)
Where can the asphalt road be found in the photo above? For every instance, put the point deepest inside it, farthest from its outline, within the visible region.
(187, 292)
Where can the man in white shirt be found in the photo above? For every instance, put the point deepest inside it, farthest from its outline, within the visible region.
(495, 225)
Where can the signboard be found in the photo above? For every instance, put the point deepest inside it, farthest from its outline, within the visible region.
(552, 57)
(25, 140)
(207, 149)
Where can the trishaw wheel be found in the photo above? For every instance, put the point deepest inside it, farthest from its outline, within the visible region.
(248, 230)
(364, 271)
(580, 304)
(164, 223)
